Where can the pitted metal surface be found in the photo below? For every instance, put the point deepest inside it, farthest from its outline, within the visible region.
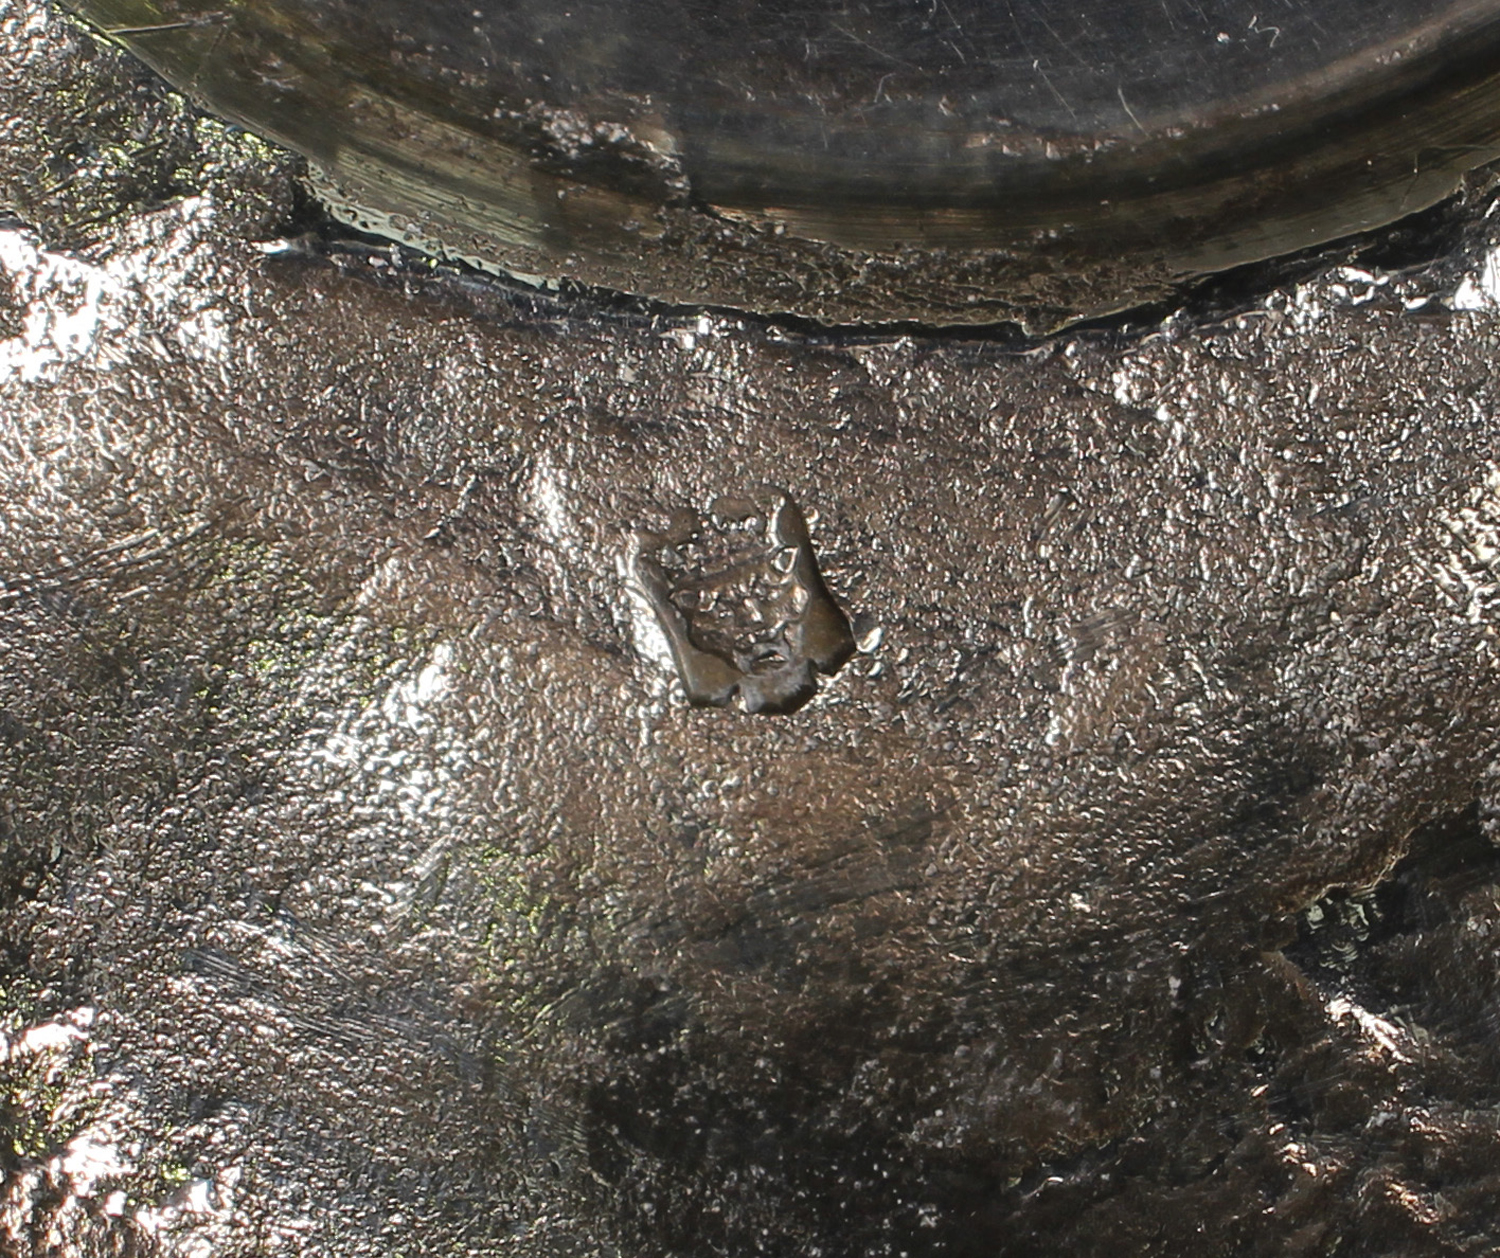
(371, 887)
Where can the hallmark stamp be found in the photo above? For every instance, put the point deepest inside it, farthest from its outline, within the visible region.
(740, 600)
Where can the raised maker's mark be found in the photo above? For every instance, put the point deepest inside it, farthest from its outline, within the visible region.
(742, 605)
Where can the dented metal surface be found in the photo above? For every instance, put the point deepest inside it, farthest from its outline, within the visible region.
(367, 888)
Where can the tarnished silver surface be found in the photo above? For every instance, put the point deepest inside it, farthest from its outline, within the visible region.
(948, 162)
(369, 886)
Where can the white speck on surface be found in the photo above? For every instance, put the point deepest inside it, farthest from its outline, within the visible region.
(1383, 1034)
(1481, 290)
